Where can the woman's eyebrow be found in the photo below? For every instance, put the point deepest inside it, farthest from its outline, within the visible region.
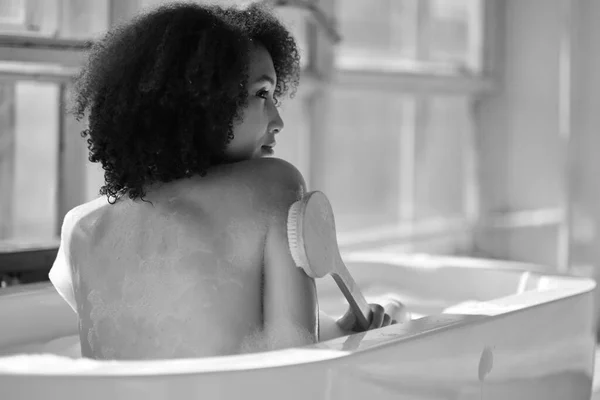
(265, 78)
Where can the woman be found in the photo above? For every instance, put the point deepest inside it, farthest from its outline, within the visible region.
(187, 255)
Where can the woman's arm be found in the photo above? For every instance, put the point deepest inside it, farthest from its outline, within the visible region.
(290, 299)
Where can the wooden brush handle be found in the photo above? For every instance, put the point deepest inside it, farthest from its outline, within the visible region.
(318, 241)
(353, 295)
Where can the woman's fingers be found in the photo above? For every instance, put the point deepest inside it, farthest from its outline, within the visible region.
(347, 321)
(393, 312)
(387, 320)
(397, 311)
(377, 315)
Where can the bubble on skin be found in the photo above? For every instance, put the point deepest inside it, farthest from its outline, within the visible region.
(140, 300)
(236, 230)
(223, 276)
(137, 295)
(275, 337)
(108, 317)
(221, 272)
(133, 294)
(108, 352)
(99, 311)
(239, 235)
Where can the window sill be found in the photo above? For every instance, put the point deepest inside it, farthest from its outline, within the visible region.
(415, 82)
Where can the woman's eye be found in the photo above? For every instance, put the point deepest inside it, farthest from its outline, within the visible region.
(263, 94)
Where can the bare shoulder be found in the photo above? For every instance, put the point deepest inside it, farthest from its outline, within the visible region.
(280, 184)
(76, 215)
(270, 171)
(274, 181)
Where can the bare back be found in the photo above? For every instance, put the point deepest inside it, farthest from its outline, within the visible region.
(180, 274)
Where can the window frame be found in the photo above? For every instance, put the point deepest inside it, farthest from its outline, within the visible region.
(477, 220)
(426, 79)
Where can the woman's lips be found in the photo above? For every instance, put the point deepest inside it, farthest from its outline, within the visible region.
(268, 150)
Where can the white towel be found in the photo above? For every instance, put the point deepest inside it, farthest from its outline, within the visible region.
(60, 274)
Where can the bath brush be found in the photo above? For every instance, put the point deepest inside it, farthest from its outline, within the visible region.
(314, 248)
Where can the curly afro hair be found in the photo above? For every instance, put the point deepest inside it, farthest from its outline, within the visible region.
(163, 92)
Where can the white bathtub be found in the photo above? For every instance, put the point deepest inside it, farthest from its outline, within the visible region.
(519, 336)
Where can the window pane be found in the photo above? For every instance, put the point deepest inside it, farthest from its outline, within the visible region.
(71, 19)
(414, 35)
(384, 159)
(455, 32)
(84, 19)
(377, 31)
(81, 179)
(443, 127)
(7, 116)
(29, 160)
(38, 17)
(296, 21)
(12, 12)
(357, 158)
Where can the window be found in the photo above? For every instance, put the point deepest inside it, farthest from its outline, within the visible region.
(364, 142)
(496, 139)
(414, 126)
(29, 156)
(442, 133)
(414, 35)
(401, 131)
(41, 43)
(393, 154)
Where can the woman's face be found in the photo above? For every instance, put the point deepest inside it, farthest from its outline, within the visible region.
(254, 134)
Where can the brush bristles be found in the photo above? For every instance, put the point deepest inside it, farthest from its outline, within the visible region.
(296, 248)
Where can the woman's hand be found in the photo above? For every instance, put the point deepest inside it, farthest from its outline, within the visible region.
(392, 313)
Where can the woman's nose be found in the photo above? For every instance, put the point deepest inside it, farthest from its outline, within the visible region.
(276, 124)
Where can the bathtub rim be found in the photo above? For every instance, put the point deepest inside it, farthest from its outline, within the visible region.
(321, 352)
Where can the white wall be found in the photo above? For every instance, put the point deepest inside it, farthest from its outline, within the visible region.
(520, 151)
